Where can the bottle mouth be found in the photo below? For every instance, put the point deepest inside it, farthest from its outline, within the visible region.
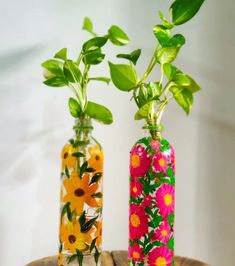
(158, 128)
(82, 126)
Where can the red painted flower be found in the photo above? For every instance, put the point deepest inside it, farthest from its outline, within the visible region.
(155, 144)
(160, 256)
(147, 201)
(165, 198)
(136, 253)
(160, 162)
(136, 188)
(172, 158)
(138, 221)
(139, 161)
(162, 233)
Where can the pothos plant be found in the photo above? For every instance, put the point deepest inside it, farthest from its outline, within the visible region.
(62, 71)
(153, 97)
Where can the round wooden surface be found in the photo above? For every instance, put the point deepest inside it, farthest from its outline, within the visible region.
(118, 258)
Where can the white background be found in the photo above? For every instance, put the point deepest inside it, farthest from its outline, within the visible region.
(35, 124)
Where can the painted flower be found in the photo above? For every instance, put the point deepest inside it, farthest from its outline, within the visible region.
(165, 199)
(147, 201)
(73, 238)
(136, 188)
(67, 158)
(155, 144)
(79, 192)
(96, 158)
(160, 162)
(136, 253)
(139, 161)
(138, 221)
(172, 158)
(160, 256)
(98, 233)
(162, 233)
(60, 259)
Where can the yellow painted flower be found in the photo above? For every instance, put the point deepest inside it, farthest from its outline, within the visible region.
(60, 259)
(98, 233)
(67, 158)
(96, 158)
(79, 192)
(73, 238)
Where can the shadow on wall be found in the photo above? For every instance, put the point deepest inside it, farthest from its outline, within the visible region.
(215, 192)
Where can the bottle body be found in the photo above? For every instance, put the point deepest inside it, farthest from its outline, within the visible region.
(151, 211)
(81, 200)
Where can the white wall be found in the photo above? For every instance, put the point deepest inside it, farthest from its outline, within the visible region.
(35, 123)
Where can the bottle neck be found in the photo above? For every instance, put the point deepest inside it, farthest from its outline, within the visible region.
(154, 130)
(83, 128)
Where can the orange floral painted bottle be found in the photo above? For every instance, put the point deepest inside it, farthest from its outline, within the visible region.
(81, 198)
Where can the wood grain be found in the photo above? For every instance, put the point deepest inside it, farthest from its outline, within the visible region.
(120, 259)
(117, 258)
(106, 260)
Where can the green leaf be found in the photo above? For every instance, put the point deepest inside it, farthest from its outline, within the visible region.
(94, 43)
(95, 178)
(88, 225)
(177, 40)
(193, 87)
(56, 82)
(103, 79)
(181, 79)
(82, 219)
(99, 112)
(171, 243)
(162, 34)
(167, 54)
(62, 54)
(97, 195)
(78, 154)
(88, 26)
(72, 71)
(170, 70)
(184, 10)
(93, 57)
(74, 108)
(54, 66)
(149, 92)
(92, 246)
(124, 77)
(117, 36)
(165, 22)
(79, 257)
(183, 97)
(133, 56)
(145, 110)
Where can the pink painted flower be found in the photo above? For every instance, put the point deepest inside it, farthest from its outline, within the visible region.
(162, 233)
(172, 157)
(136, 188)
(139, 161)
(160, 256)
(135, 253)
(155, 144)
(138, 221)
(165, 198)
(160, 162)
(147, 201)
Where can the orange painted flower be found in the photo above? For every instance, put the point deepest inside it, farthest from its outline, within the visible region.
(67, 158)
(60, 259)
(79, 192)
(96, 158)
(98, 233)
(73, 238)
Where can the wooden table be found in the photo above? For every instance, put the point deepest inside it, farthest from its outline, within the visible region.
(118, 258)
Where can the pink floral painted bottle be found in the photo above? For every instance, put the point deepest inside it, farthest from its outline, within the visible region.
(152, 196)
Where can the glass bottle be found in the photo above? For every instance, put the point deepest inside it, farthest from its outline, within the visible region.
(81, 198)
(151, 212)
